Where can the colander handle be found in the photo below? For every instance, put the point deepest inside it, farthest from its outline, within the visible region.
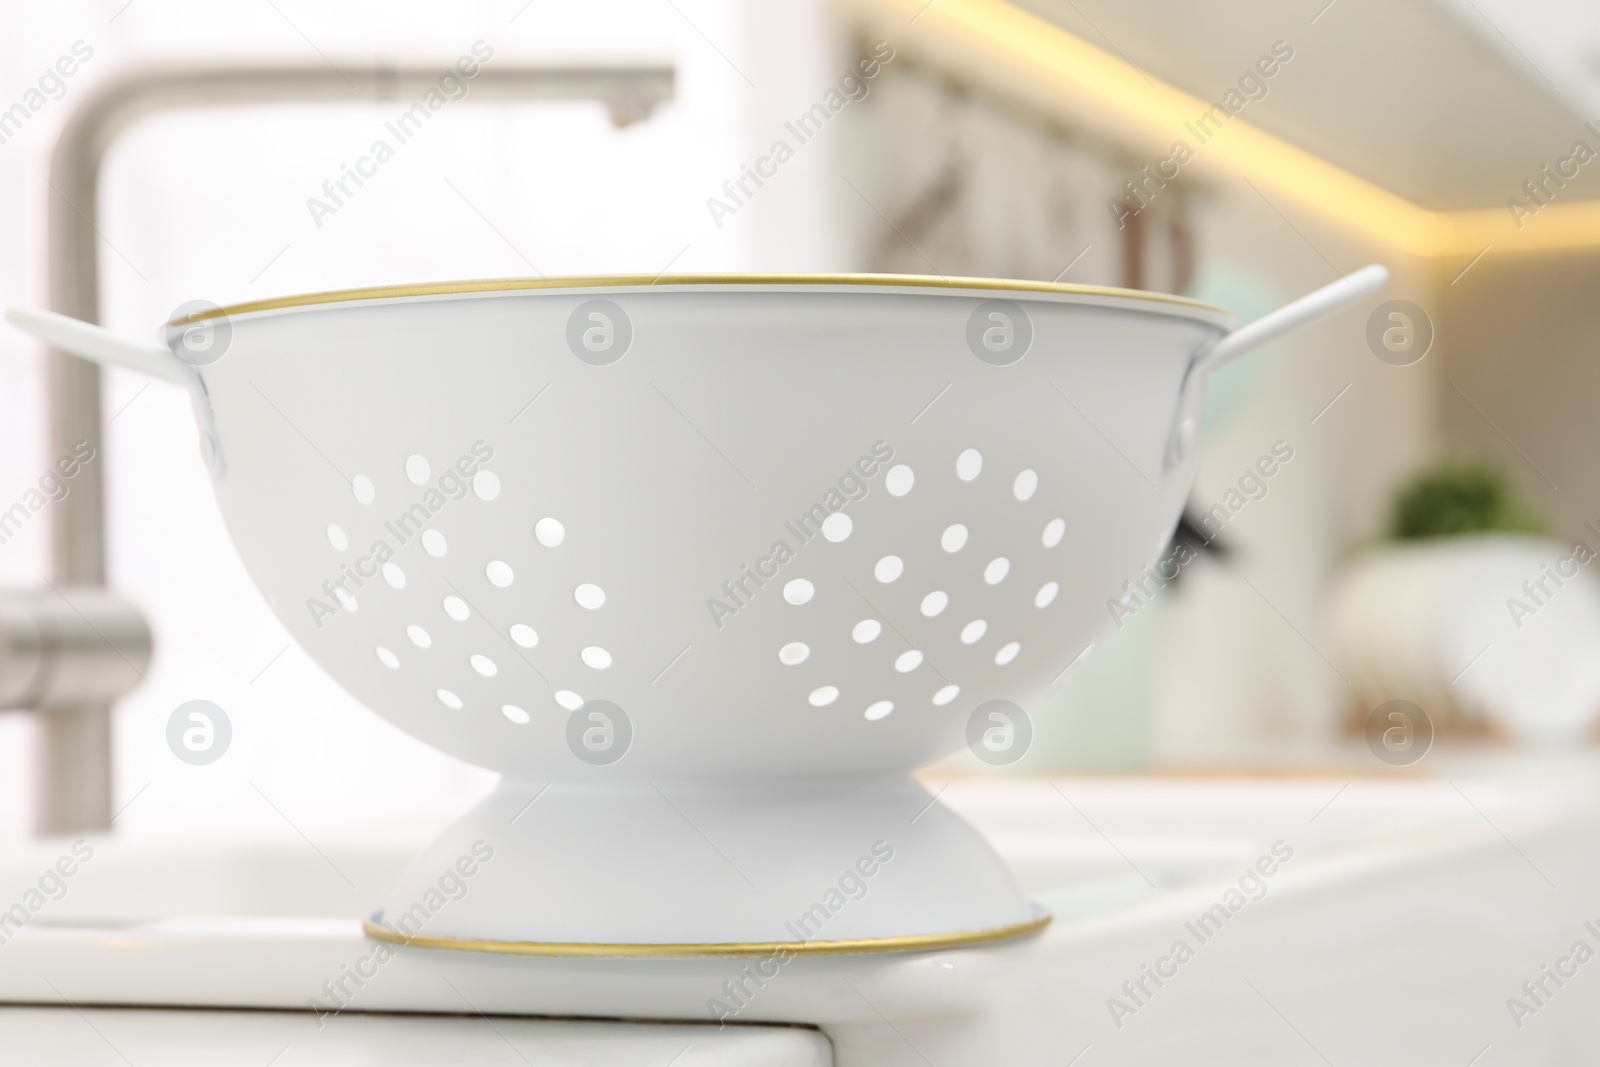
(1330, 298)
(99, 344)
(1230, 346)
(88, 341)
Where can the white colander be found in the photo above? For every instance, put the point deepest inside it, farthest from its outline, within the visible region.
(739, 534)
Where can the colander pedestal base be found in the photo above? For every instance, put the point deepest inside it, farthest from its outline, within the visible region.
(707, 868)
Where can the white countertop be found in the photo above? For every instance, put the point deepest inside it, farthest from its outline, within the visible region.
(1442, 888)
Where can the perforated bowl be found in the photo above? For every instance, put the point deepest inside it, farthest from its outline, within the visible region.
(769, 542)
(764, 525)
(795, 526)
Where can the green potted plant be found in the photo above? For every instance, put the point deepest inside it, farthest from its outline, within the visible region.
(1457, 498)
(1469, 608)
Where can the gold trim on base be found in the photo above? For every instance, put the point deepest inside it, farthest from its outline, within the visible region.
(590, 950)
(501, 285)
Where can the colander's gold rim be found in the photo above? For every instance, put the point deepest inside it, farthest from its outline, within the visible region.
(614, 281)
(597, 950)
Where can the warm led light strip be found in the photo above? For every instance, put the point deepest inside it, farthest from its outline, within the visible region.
(1001, 43)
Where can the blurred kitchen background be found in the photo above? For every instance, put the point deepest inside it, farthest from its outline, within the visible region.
(994, 139)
